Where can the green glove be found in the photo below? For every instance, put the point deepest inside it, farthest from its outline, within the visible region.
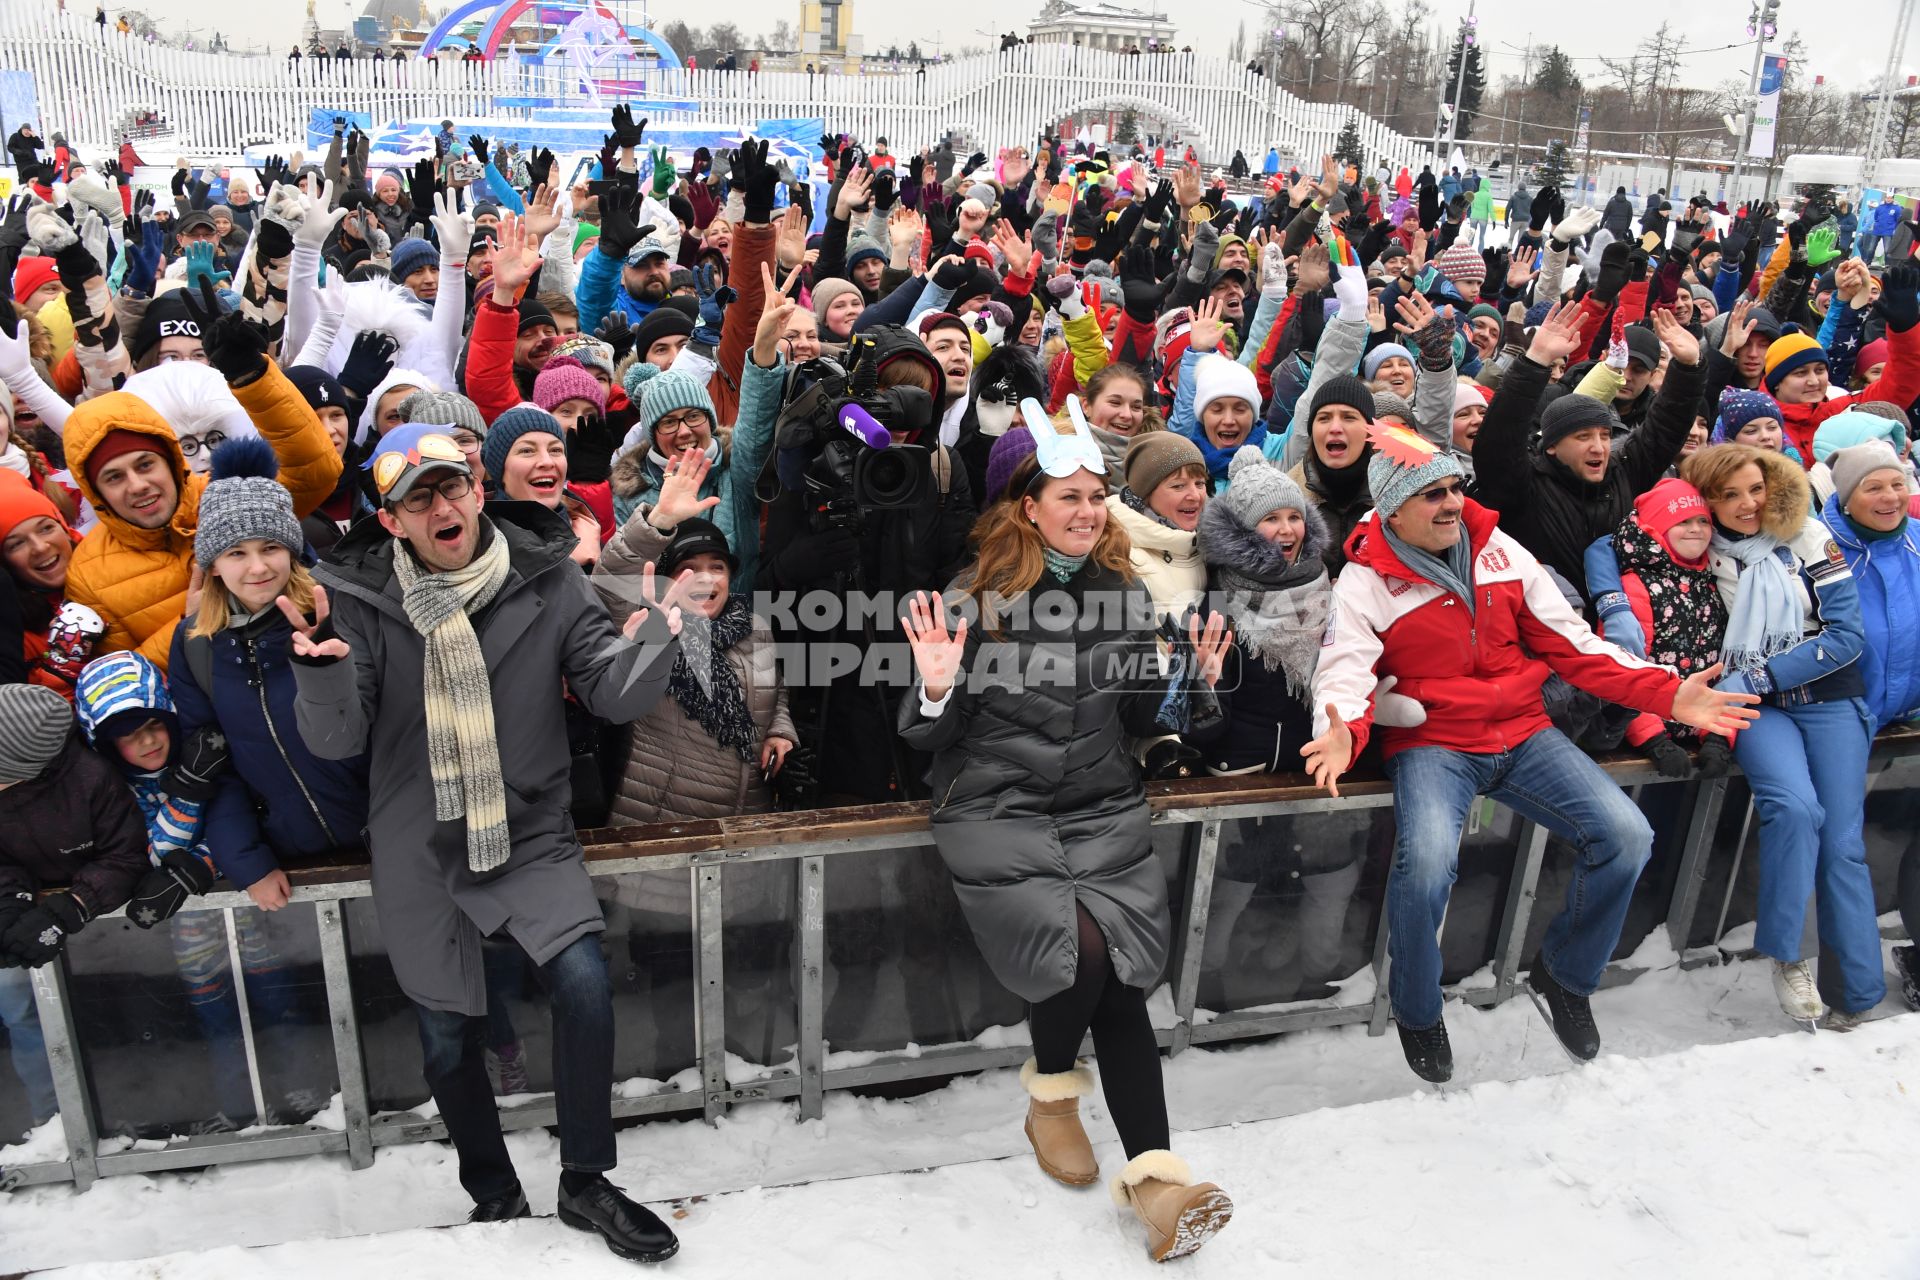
(1820, 246)
(663, 173)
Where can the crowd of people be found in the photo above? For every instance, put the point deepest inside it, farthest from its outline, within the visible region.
(1024, 480)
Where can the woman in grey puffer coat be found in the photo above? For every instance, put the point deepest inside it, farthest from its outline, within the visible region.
(1040, 816)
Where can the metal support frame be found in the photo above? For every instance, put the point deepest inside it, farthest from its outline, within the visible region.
(54, 1005)
(238, 969)
(350, 1062)
(1193, 937)
(809, 1080)
(709, 973)
(1519, 909)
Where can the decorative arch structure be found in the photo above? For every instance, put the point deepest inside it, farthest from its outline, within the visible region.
(1188, 129)
(506, 12)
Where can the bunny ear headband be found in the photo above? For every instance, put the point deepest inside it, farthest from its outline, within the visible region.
(1062, 455)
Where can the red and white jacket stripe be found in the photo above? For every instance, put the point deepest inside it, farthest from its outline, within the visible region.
(1477, 672)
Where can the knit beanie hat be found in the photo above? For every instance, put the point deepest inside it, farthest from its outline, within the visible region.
(1855, 463)
(1738, 407)
(1152, 457)
(1573, 413)
(668, 392)
(860, 247)
(443, 409)
(588, 350)
(1256, 486)
(1380, 355)
(1669, 503)
(562, 379)
(1215, 378)
(34, 724)
(665, 321)
(1461, 263)
(1466, 395)
(1345, 389)
(320, 389)
(1388, 405)
(1481, 310)
(824, 295)
(1892, 413)
(1851, 427)
(21, 502)
(1007, 453)
(409, 256)
(39, 270)
(522, 419)
(1871, 354)
(1784, 355)
(1402, 465)
(243, 500)
(1170, 335)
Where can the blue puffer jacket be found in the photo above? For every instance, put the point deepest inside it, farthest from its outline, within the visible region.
(1887, 575)
(278, 800)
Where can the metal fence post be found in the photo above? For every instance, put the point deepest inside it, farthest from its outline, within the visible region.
(710, 987)
(810, 983)
(51, 1000)
(1193, 939)
(348, 1057)
(1519, 909)
(1709, 797)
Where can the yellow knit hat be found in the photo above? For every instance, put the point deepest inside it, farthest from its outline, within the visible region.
(1786, 354)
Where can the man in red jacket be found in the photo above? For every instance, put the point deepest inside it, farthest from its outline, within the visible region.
(1469, 626)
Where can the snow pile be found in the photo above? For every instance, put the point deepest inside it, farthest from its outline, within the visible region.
(1710, 1139)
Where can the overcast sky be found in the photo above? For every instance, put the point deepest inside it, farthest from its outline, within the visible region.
(1846, 42)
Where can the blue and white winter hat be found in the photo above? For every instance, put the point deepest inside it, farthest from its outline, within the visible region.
(117, 693)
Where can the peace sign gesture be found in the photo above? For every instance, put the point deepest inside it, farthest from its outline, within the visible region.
(668, 603)
(774, 314)
(935, 652)
(315, 639)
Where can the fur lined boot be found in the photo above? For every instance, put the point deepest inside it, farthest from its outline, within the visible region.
(1053, 1123)
(1180, 1215)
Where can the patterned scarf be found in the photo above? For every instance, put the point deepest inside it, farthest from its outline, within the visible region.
(1061, 565)
(703, 681)
(1766, 617)
(461, 751)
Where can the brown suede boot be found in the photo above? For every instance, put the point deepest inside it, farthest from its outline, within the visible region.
(1053, 1124)
(1180, 1215)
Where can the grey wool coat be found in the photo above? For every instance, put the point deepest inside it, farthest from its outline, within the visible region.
(545, 627)
(1037, 804)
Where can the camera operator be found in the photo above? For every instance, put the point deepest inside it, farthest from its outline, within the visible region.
(822, 537)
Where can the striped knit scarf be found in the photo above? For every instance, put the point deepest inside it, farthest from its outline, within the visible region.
(461, 752)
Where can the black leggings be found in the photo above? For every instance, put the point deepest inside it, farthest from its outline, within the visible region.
(1123, 1042)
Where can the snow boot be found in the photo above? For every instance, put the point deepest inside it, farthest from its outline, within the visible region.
(1570, 1014)
(1053, 1123)
(1906, 960)
(1428, 1051)
(1841, 1020)
(1798, 993)
(1180, 1214)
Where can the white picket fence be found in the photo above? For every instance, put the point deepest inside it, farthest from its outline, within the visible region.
(87, 80)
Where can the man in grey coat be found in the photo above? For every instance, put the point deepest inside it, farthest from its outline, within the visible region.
(436, 629)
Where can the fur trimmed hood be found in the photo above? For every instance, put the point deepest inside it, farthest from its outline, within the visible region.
(1226, 543)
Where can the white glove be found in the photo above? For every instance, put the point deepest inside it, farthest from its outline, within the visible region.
(16, 362)
(1396, 710)
(1577, 223)
(92, 192)
(454, 227)
(286, 206)
(1273, 273)
(46, 228)
(1590, 256)
(1350, 287)
(318, 218)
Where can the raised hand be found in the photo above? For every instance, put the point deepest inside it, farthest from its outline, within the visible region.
(627, 134)
(617, 334)
(453, 225)
(1016, 249)
(516, 258)
(667, 603)
(234, 345)
(1683, 346)
(1328, 755)
(936, 652)
(543, 212)
(477, 143)
(1209, 325)
(1740, 326)
(790, 239)
(1209, 646)
(1313, 269)
(1187, 187)
(680, 500)
(1558, 335)
(314, 639)
(758, 180)
(318, 218)
(904, 228)
(854, 193)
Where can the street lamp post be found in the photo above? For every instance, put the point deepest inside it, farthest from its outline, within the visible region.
(1468, 28)
(1761, 27)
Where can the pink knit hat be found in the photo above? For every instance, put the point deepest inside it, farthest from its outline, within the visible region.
(564, 378)
(1461, 263)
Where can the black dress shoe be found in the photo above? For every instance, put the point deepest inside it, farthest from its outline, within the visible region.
(630, 1230)
(502, 1208)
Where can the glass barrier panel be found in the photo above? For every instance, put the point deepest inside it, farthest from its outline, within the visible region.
(1296, 907)
(26, 1082)
(650, 948)
(287, 1000)
(757, 949)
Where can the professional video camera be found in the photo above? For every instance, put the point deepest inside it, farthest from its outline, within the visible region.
(835, 441)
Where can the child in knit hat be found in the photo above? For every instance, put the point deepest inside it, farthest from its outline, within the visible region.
(1667, 610)
(578, 402)
(1159, 505)
(1751, 417)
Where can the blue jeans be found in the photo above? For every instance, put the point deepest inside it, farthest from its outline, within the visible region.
(28, 1047)
(453, 1047)
(1807, 767)
(1554, 783)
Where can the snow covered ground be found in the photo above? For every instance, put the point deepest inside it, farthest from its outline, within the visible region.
(1711, 1139)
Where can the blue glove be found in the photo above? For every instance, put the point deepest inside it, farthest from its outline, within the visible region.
(143, 261)
(200, 266)
(713, 310)
(1619, 624)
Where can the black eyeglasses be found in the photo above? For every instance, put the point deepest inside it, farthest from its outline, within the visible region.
(192, 445)
(691, 419)
(419, 499)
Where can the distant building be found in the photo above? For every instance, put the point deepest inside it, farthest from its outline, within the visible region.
(1099, 26)
(826, 31)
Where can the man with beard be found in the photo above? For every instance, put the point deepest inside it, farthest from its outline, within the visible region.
(631, 267)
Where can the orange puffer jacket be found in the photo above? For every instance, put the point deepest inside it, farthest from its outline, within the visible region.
(136, 579)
